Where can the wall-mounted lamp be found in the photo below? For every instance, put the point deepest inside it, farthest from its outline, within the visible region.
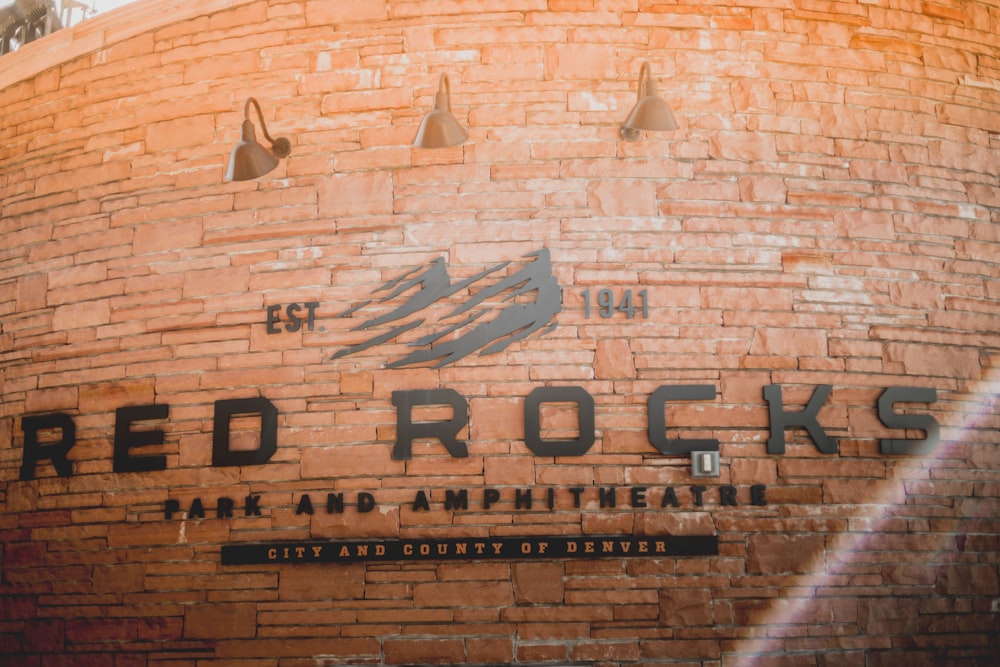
(439, 129)
(651, 112)
(249, 159)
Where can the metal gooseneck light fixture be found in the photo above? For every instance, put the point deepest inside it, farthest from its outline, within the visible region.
(249, 159)
(651, 112)
(439, 129)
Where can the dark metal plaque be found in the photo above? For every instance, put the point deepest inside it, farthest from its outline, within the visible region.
(472, 548)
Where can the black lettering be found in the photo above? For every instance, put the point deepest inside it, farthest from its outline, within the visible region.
(551, 495)
(805, 418)
(757, 494)
(222, 455)
(366, 502)
(295, 320)
(126, 438)
(252, 507)
(456, 501)
(305, 505)
(658, 421)
(170, 507)
(926, 423)
(444, 431)
(490, 496)
(335, 503)
(607, 497)
(55, 452)
(224, 508)
(532, 421)
(420, 502)
(698, 491)
(522, 498)
(311, 307)
(639, 496)
(197, 509)
(577, 491)
(727, 495)
(272, 319)
(294, 323)
(670, 498)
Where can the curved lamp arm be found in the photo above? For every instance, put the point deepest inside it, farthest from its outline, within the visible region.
(647, 85)
(281, 147)
(442, 99)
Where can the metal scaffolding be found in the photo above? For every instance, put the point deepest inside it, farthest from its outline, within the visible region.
(24, 21)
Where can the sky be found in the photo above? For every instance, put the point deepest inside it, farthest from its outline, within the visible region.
(100, 6)
(105, 5)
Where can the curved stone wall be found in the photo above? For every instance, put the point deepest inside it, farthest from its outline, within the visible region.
(804, 276)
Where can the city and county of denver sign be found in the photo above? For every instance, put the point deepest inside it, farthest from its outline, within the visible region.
(487, 548)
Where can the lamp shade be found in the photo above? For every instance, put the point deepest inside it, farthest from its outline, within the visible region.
(439, 129)
(651, 112)
(249, 158)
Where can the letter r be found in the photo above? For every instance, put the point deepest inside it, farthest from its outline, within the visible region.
(446, 431)
(56, 452)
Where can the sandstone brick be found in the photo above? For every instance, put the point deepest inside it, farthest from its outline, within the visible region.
(113, 395)
(614, 360)
(428, 651)
(220, 621)
(356, 383)
(791, 342)
(172, 134)
(763, 189)
(541, 652)
(76, 275)
(490, 650)
(510, 470)
(685, 607)
(347, 460)
(87, 314)
(83, 177)
(52, 400)
(356, 193)
(637, 198)
(968, 579)
(538, 583)
(99, 630)
(296, 583)
(688, 648)
(745, 147)
(753, 471)
(776, 554)
(216, 281)
(350, 648)
(463, 593)
(319, 13)
(30, 294)
(942, 11)
(44, 636)
(931, 360)
(881, 616)
(580, 61)
(119, 578)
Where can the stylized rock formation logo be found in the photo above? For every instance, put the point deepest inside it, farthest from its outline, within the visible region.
(499, 308)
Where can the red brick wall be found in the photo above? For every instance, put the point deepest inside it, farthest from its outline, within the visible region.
(828, 212)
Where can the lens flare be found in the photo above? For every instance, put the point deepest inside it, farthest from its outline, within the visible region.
(895, 509)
